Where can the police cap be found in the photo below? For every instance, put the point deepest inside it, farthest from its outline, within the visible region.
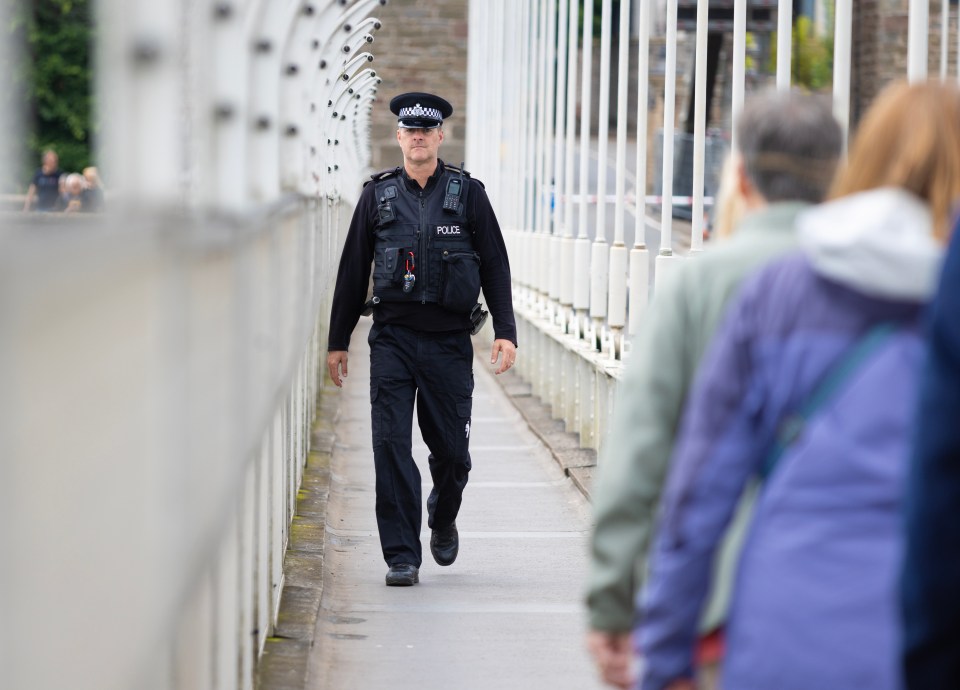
(420, 110)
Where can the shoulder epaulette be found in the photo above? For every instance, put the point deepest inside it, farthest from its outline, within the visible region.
(382, 175)
(466, 173)
(455, 170)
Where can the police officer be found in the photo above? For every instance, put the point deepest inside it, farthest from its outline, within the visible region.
(433, 241)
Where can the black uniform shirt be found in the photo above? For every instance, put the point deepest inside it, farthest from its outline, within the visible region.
(355, 264)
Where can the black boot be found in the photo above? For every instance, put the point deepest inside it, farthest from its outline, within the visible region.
(444, 544)
(402, 575)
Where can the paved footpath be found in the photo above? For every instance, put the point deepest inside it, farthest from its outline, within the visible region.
(507, 614)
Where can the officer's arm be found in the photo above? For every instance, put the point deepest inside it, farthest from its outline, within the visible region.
(353, 275)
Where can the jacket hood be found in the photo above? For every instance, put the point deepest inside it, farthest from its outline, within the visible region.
(879, 243)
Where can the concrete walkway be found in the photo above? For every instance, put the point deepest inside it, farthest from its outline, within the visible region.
(507, 614)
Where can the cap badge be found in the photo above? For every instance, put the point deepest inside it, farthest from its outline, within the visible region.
(419, 111)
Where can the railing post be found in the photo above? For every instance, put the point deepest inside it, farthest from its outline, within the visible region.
(918, 37)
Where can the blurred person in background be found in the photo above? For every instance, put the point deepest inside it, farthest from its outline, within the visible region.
(730, 203)
(789, 145)
(72, 199)
(43, 193)
(807, 393)
(930, 589)
(92, 191)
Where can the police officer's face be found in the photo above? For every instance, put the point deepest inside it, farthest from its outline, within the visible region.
(419, 145)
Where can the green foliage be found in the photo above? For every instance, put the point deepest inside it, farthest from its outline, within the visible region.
(812, 55)
(58, 81)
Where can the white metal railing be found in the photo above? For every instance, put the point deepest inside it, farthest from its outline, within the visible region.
(161, 362)
(578, 309)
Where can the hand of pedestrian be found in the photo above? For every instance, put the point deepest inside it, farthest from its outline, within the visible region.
(613, 655)
(337, 366)
(508, 352)
(681, 684)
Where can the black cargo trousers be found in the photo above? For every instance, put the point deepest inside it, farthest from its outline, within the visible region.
(436, 371)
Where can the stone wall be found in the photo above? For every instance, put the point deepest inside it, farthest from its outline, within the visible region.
(422, 46)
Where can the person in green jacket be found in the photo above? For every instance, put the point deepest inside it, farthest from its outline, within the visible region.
(788, 145)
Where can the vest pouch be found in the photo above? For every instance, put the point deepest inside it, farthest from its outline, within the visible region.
(459, 280)
(388, 266)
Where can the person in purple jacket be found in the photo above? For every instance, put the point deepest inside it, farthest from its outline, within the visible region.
(930, 588)
(815, 596)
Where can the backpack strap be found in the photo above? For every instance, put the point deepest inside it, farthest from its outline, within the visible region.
(793, 424)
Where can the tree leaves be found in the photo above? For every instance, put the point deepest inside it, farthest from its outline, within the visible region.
(59, 38)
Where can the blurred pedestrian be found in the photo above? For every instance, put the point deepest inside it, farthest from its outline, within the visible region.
(788, 146)
(92, 190)
(931, 576)
(43, 194)
(807, 394)
(729, 208)
(71, 201)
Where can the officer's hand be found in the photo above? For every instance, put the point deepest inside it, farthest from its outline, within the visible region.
(337, 366)
(509, 352)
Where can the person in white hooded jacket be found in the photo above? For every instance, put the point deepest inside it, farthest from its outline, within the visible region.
(807, 395)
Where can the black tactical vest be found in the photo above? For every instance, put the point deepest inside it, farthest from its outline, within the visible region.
(423, 247)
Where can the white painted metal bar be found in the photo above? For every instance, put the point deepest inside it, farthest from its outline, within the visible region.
(540, 217)
(944, 37)
(143, 41)
(739, 66)
(699, 127)
(623, 79)
(11, 119)
(519, 96)
(581, 256)
(842, 55)
(354, 63)
(917, 39)
(617, 292)
(669, 123)
(586, 83)
(548, 106)
(504, 102)
(567, 244)
(560, 204)
(603, 118)
(573, 65)
(600, 250)
(784, 41)
(529, 124)
(639, 255)
(230, 107)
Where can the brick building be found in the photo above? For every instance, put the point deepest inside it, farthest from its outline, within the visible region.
(422, 46)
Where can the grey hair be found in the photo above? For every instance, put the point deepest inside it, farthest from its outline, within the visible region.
(790, 143)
